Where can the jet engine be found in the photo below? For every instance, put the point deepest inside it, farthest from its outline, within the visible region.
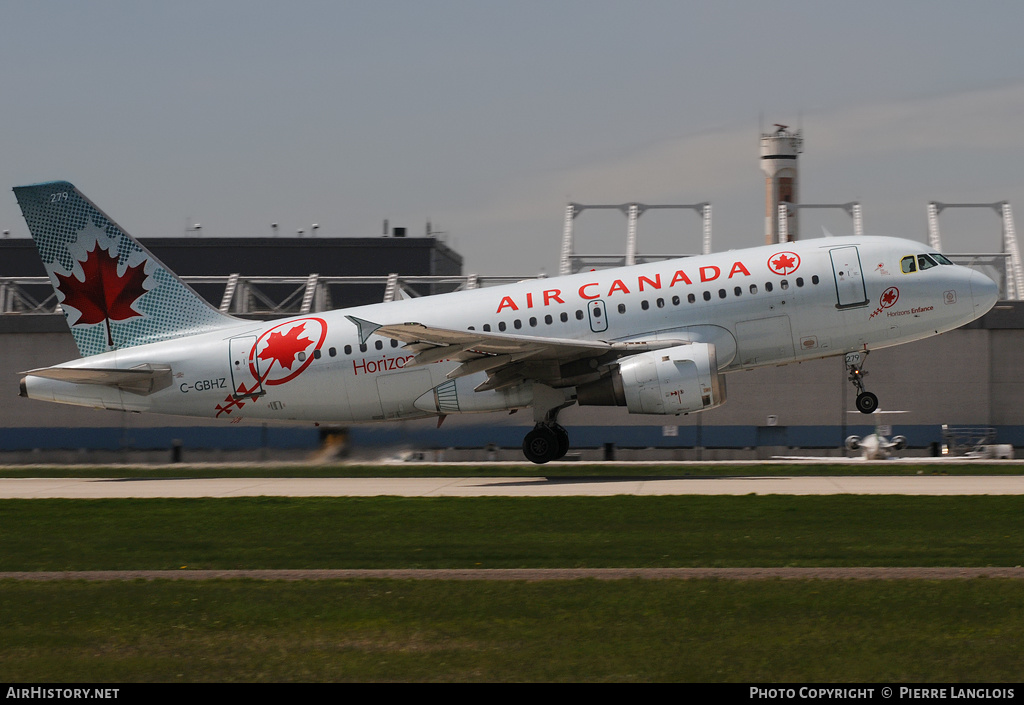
(853, 443)
(675, 380)
(899, 442)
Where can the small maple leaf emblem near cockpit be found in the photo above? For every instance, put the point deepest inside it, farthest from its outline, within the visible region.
(889, 297)
(784, 263)
(104, 295)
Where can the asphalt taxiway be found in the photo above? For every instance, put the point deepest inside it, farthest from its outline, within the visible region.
(96, 488)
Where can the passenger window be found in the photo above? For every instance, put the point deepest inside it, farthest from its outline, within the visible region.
(533, 321)
(814, 279)
(660, 303)
(925, 262)
(768, 286)
(675, 300)
(501, 326)
(517, 323)
(579, 315)
(691, 298)
(564, 317)
(487, 327)
(784, 284)
(908, 265)
(622, 308)
(348, 349)
(548, 320)
(379, 344)
(707, 295)
(721, 293)
(332, 352)
(753, 288)
(317, 354)
(799, 281)
(644, 305)
(738, 291)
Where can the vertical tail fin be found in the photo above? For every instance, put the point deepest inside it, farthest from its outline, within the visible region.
(114, 292)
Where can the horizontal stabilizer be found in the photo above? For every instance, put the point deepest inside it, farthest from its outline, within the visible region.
(141, 379)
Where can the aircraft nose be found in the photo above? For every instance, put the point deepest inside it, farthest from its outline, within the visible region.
(984, 292)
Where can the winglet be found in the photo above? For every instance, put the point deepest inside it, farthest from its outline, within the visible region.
(366, 328)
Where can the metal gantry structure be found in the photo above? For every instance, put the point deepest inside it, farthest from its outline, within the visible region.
(263, 295)
(572, 262)
(852, 209)
(283, 295)
(1012, 272)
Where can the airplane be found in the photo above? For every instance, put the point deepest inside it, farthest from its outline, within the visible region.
(878, 445)
(874, 446)
(657, 338)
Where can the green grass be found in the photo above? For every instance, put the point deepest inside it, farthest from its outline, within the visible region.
(764, 631)
(630, 630)
(501, 532)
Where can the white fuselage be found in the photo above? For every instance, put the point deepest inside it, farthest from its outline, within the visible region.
(762, 306)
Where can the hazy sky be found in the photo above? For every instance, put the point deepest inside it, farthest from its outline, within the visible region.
(486, 117)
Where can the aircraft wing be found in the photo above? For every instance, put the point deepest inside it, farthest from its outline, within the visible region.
(142, 379)
(509, 359)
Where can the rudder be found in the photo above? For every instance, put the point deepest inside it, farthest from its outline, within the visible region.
(114, 292)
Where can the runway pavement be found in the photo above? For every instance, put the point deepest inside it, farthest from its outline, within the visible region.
(95, 488)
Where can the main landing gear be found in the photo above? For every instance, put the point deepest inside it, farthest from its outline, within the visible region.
(866, 401)
(546, 442)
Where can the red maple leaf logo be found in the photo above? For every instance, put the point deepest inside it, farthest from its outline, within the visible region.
(104, 295)
(784, 262)
(889, 297)
(284, 348)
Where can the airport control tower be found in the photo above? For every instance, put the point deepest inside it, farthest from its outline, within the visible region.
(779, 150)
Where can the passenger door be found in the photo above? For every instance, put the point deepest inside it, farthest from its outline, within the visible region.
(849, 277)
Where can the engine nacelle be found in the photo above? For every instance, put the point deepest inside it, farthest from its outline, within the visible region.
(672, 381)
(899, 442)
(853, 443)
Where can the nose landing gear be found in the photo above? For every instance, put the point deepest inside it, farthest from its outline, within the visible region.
(866, 401)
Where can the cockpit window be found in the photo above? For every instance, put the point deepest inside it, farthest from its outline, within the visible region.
(925, 262)
(939, 258)
(908, 265)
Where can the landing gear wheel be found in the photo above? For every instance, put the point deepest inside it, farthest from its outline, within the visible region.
(866, 402)
(541, 445)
